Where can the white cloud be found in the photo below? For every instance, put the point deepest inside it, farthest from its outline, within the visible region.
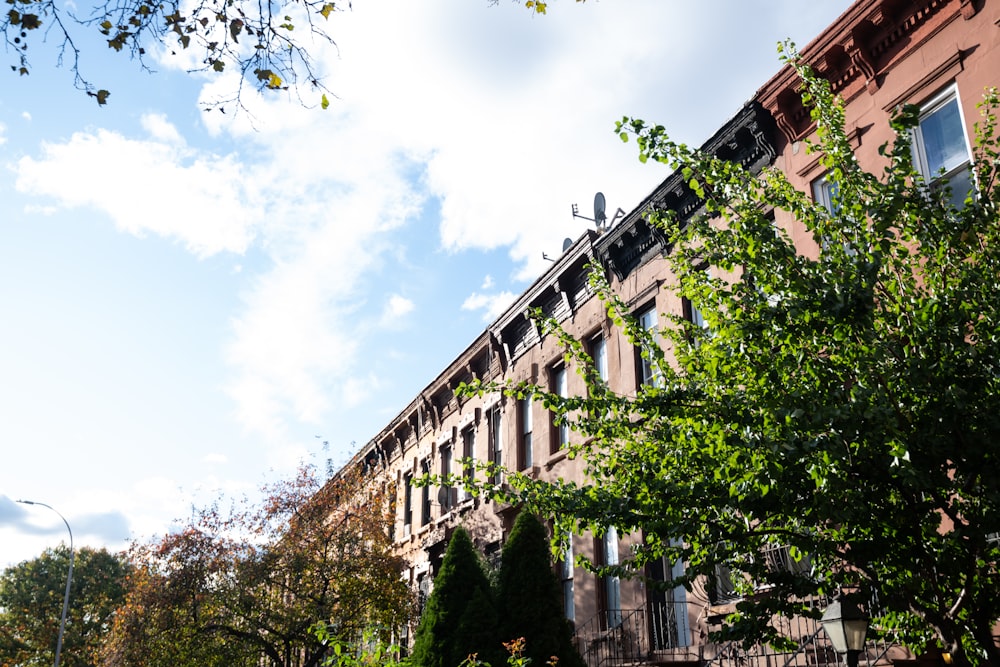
(492, 305)
(161, 129)
(505, 119)
(215, 459)
(199, 199)
(3, 129)
(395, 308)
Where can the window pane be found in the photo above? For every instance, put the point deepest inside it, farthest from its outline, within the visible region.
(648, 321)
(943, 139)
(961, 185)
(561, 388)
(826, 194)
(600, 356)
(569, 597)
(526, 451)
(612, 585)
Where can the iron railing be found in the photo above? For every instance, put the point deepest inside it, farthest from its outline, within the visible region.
(814, 648)
(621, 637)
(659, 634)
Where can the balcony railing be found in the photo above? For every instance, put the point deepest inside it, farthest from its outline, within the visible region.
(613, 638)
(659, 634)
(636, 636)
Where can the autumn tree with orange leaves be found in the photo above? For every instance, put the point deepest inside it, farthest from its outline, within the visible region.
(246, 586)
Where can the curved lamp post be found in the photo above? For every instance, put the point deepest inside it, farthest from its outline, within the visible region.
(847, 626)
(69, 578)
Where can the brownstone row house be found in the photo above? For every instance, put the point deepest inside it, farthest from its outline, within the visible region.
(938, 54)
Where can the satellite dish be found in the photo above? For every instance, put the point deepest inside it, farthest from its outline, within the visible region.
(599, 215)
(567, 242)
(600, 218)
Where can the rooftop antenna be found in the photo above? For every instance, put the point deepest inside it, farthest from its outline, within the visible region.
(600, 216)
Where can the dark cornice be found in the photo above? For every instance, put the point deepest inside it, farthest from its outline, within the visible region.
(748, 139)
(854, 53)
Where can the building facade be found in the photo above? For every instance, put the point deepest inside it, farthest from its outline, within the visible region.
(938, 54)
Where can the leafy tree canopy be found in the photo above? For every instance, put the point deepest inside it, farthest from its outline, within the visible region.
(31, 603)
(246, 587)
(842, 402)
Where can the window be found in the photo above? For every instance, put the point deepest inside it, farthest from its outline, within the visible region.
(825, 194)
(423, 591)
(692, 314)
(566, 575)
(779, 558)
(468, 453)
(425, 493)
(447, 491)
(560, 432)
(940, 148)
(668, 606)
(599, 354)
(407, 503)
(612, 584)
(648, 374)
(721, 587)
(524, 417)
(496, 442)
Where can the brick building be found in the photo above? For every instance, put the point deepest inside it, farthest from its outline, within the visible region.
(938, 54)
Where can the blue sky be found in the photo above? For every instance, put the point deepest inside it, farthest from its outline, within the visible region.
(190, 298)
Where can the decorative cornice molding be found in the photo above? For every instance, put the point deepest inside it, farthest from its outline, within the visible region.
(854, 53)
(747, 139)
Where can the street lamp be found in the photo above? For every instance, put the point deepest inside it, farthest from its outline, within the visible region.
(69, 578)
(847, 626)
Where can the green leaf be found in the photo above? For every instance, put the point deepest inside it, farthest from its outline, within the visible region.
(324, 103)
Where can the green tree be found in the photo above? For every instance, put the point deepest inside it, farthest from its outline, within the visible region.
(842, 402)
(246, 587)
(530, 598)
(31, 602)
(459, 618)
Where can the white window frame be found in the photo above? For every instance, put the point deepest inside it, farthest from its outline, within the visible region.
(648, 320)
(599, 355)
(469, 453)
(407, 503)
(448, 492)
(560, 386)
(495, 418)
(612, 584)
(526, 453)
(566, 575)
(824, 193)
(956, 168)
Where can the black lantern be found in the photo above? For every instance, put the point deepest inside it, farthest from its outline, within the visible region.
(847, 626)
